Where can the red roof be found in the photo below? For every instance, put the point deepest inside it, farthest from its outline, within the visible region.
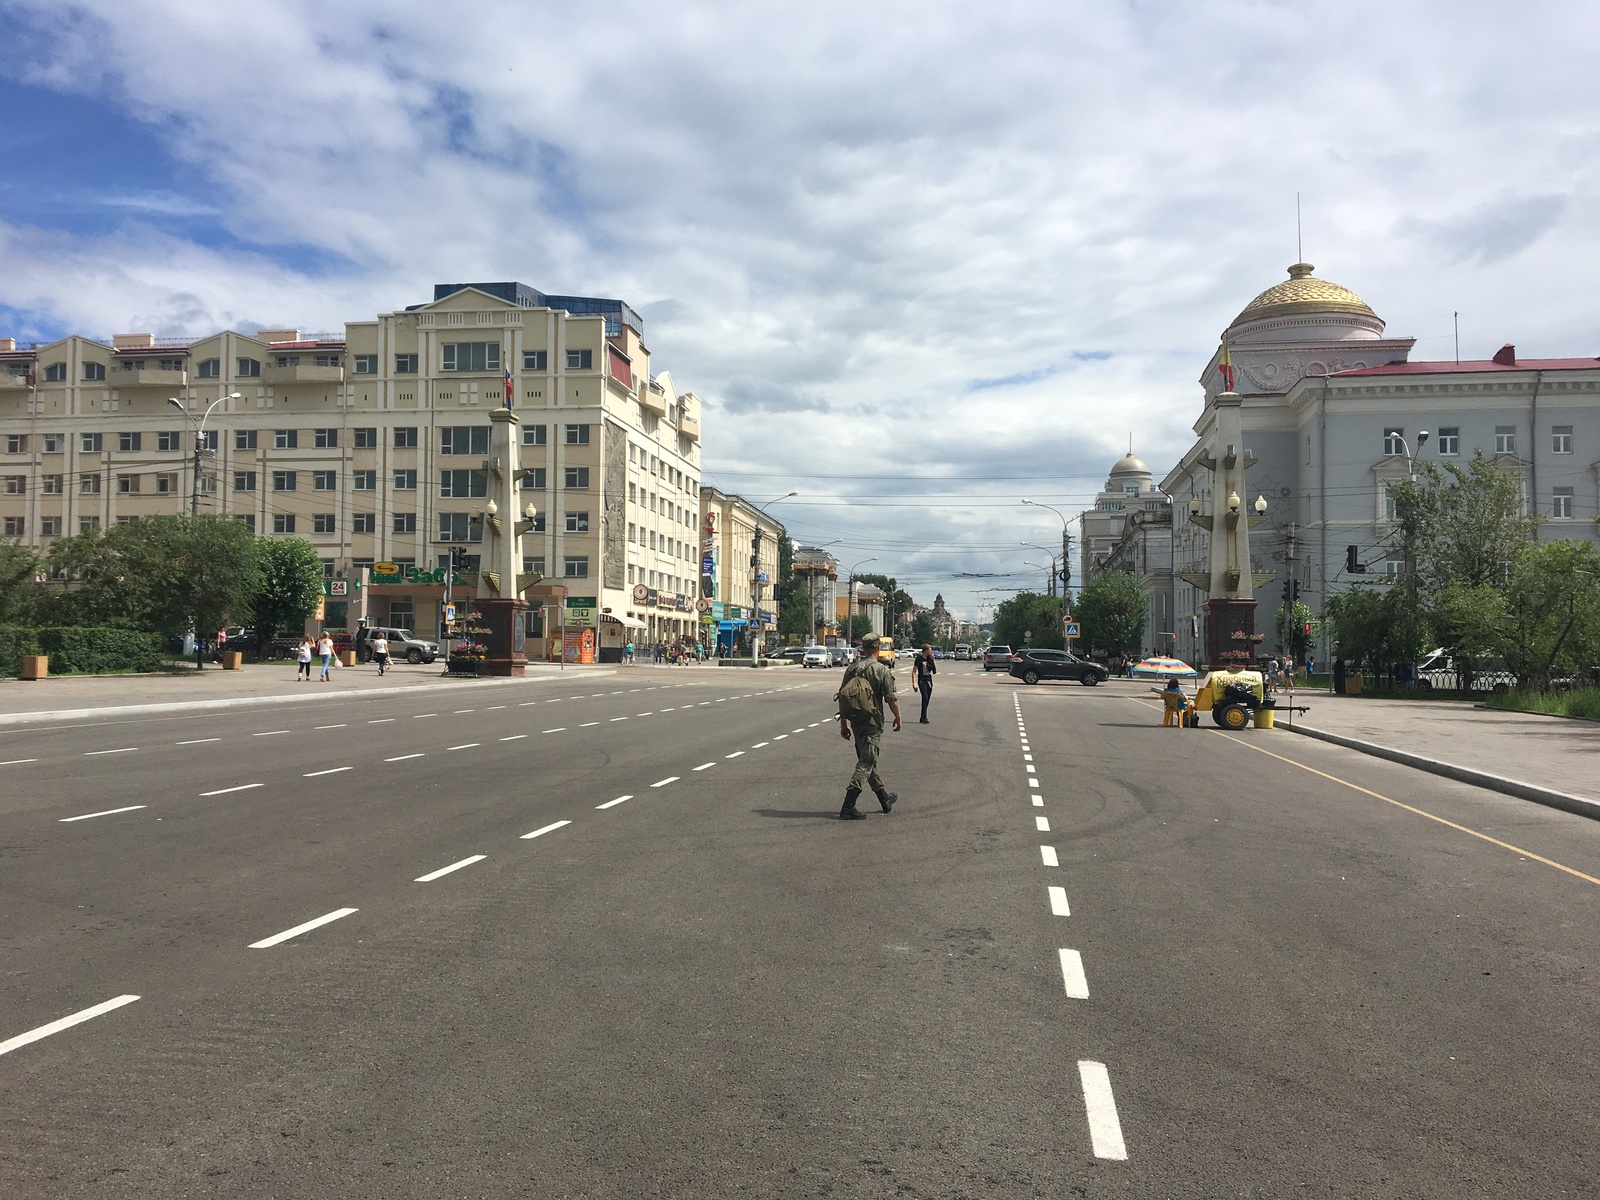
(1473, 367)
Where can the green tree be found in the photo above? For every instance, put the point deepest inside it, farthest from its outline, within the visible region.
(1112, 609)
(202, 572)
(922, 629)
(103, 580)
(1029, 612)
(1367, 630)
(1552, 612)
(1299, 640)
(290, 586)
(19, 587)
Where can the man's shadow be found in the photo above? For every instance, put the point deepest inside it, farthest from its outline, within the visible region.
(830, 814)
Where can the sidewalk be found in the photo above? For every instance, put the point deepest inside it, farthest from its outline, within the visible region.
(1551, 758)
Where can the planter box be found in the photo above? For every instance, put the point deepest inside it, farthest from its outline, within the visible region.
(464, 666)
(232, 660)
(347, 658)
(1352, 685)
(35, 666)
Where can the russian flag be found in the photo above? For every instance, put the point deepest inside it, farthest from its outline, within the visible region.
(508, 387)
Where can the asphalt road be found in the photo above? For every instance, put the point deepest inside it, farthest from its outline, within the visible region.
(1085, 956)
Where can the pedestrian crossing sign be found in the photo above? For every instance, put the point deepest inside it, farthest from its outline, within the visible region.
(1072, 629)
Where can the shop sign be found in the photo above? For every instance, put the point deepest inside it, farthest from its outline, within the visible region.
(412, 575)
(702, 606)
(583, 610)
(718, 610)
(708, 564)
(640, 593)
(340, 589)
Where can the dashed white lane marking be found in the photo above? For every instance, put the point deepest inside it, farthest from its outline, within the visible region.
(443, 871)
(802, 729)
(705, 766)
(77, 1018)
(1030, 768)
(191, 742)
(669, 710)
(515, 737)
(420, 716)
(758, 745)
(1042, 824)
(586, 724)
(651, 713)
(403, 757)
(544, 829)
(721, 699)
(614, 719)
(735, 754)
(325, 919)
(1027, 757)
(17, 762)
(1033, 782)
(1048, 853)
(270, 733)
(664, 782)
(614, 803)
(780, 737)
(243, 787)
(105, 813)
(381, 721)
(1038, 801)
(464, 746)
(329, 771)
(1058, 902)
(328, 726)
(459, 711)
(1105, 1130)
(123, 750)
(557, 700)
(631, 690)
(1072, 975)
(492, 707)
(703, 703)
(557, 729)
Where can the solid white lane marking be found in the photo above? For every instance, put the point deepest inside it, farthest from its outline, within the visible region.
(704, 766)
(381, 721)
(403, 757)
(455, 866)
(514, 737)
(243, 787)
(1048, 853)
(557, 729)
(1038, 801)
(586, 724)
(16, 762)
(1058, 902)
(1033, 782)
(77, 1018)
(544, 829)
(1042, 824)
(325, 919)
(329, 771)
(328, 727)
(124, 750)
(758, 745)
(270, 733)
(192, 742)
(614, 803)
(664, 782)
(464, 746)
(105, 813)
(735, 754)
(1072, 975)
(1105, 1130)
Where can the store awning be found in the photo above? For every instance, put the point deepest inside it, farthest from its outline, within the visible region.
(624, 620)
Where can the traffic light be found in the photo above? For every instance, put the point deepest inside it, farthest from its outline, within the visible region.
(1351, 565)
(1294, 594)
(1308, 628)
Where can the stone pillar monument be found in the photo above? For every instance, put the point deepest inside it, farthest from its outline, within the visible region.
(500, 577)
(1229, 584)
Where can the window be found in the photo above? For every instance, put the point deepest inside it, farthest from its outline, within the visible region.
(244, 439)
(93, 371)
(325, 439)
(577, 435)
(16, 443)
(208, 483)
(49, 526)
(580, 360)
(285, 439)
(533, 565)
(88, 524)
(1394, 567)
(461, 485)
(327, 568)
(405, 437)
(538, 523)
(464, 439)
(249, 368)
(1449, 440)
(405, 522)
(53, 442)
(173, 364)
(364, 523)
(15, 527)
(210, 439)
(362, 564)
(367, 437)
(210, 368)
(577, 522)
(533, 435)
(89, 443)
(405, 481)
(633, 532)
(323, 523)
(167, 481)
(129, 441)
(535, 360)
(1394, 441)
(471, 356)
(329, 360)
(283, 481)
(1505, 439)
(366, 364)
(577, 477)
(365, 481)
(1561, 439)
(51, 485)
(16, 485)
(55, 373)
(325, 481)
(405, 364)
(1388, 502)
(89, 485)
(459, 527)
(633, 453)
(534, 480)
(282, 522)
(1561, 503)
(169, 439)
(127, 485)
(575, 566)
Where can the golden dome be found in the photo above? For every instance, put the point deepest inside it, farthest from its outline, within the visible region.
(1303, 292)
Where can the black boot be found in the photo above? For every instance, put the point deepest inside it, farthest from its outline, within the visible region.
(850, 812)
(886, 798)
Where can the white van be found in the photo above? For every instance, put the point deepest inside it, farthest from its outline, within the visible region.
(1439, 670)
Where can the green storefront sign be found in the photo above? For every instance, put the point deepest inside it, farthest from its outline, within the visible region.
(583, 610)
(421, 578)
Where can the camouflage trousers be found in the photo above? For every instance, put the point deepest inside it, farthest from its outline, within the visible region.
(867, 739)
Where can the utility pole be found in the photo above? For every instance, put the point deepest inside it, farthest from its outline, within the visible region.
(1291, 593)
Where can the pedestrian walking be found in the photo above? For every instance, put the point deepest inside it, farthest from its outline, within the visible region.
(867, 689)
(303, 656)
(325, 650)
(380, 653)
(923, 669)
(627, 653)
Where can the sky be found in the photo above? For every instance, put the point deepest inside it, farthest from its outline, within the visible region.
(920, 260)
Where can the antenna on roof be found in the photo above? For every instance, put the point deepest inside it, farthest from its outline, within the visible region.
(1299, 241)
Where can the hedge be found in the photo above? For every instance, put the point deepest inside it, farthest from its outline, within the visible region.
(85, 651)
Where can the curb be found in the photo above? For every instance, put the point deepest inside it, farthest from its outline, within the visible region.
(1549, 797)
(176, 706)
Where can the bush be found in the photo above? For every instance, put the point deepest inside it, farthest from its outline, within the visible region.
(1583, 702)
(84, 651)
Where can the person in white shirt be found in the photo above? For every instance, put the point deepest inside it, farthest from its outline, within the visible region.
(380, 653)
(303, 656)
(325, 649)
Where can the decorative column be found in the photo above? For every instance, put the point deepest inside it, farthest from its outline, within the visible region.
(501, 580)
(1230, 606)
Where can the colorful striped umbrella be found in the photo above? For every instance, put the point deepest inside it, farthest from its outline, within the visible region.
(1163, 668)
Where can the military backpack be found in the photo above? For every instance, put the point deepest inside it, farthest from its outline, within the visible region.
(858, 699)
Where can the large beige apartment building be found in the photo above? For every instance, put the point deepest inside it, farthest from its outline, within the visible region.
(372, 446)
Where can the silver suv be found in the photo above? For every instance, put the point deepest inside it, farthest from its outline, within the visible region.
(403, 644)
(997, 658)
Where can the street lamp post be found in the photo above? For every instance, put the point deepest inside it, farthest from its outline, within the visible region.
(755, 578)
(1066, 558)
(850, 608)
(199, 442)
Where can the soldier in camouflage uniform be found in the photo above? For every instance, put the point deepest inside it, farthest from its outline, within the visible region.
(868, 733)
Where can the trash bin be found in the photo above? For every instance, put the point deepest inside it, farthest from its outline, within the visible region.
(232, 660)
(1352, 685)
(1264, 714)
(347, 658)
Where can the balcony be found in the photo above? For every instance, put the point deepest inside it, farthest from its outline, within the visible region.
(653, 401)
(690, 428)
(9, 381)
(301, 373)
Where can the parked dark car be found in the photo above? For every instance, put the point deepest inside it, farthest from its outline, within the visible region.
(997, 658)
(794, 652)
(1031, 666)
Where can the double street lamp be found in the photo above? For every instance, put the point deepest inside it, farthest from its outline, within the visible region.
(199, 423)
(755, 577)
(850, 609)
(1066, 560)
